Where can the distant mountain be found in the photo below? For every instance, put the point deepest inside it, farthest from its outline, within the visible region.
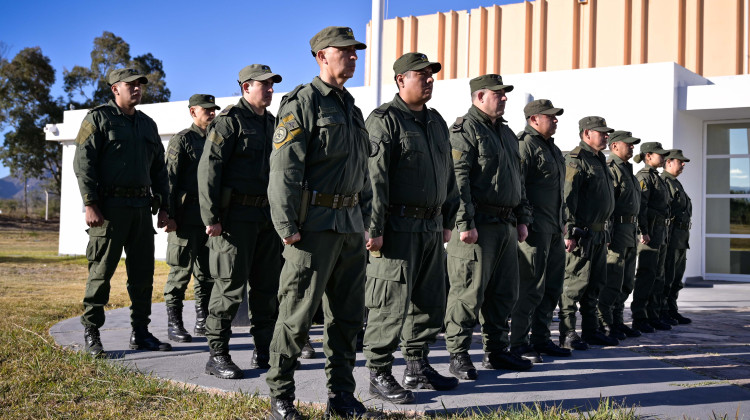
(12, 188)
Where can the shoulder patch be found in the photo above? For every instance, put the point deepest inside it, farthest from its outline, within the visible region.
(456, 154)
(215, 138)
(291, 95)
(644, 185)
(286, 131)
(574, 153)
(87, 129)
(226, 110)
(458, 125)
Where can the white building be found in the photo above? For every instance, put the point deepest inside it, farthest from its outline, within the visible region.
(709, 119)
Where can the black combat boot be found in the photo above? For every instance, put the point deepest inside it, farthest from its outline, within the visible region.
(201, 313)
(658, 325)
(220, 364)
(344, 405)
(629, 332)
(176, 331)
(598, 338)
(284, 409)
(504, 359)
(551, 349)
(384, 386)
(613, 332)
(461, 366)
(642, 325)
(260, 359)
(525, 351)
(419, 374)
(680, 319)
(141, 339)
(573, 341)
(308, 352)
(93, 342)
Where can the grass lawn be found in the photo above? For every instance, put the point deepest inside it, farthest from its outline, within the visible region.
(38, 379)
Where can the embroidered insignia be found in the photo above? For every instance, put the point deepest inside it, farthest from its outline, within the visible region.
(456, 154)
(280, 134)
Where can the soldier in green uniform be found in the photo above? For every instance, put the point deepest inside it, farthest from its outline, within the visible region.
(493, 216)
(541, 257)
(621, 252)
(679, 237)
(187, 253)
(320, 205)
(588, 201)
(119, 163)
(653, 223)
(412, 178)
(243, 249)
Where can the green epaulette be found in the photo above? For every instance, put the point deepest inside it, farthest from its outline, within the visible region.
(458, 126)
(291, 95)
(574, 153)
(381, 110)
(226, 110)
(183, 132)
(96, 107)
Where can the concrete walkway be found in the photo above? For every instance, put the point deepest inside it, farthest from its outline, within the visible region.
(692, 371)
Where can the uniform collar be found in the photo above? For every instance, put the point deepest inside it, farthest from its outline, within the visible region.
(479, 115)
(668, 175)
(650, 168)
(586, 147)
(401, 105)
(531, 130)
(118, 110)
(619, 161)
(197, 130)
(244, 105)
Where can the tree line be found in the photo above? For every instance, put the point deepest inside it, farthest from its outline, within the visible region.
(27, 103)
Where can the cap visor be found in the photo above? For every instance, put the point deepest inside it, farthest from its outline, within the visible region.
(265, 76)
(435, 66)
(603, 129)
(348, 43)
(141, 78)
(507, 88)
(208, 105)
(553, 111)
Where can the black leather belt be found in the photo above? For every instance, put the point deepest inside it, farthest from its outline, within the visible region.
(414, 212)
(250, 200)
(625, 219)
(334, 201)
(495, 211)
(684, 225)
(126, 192)
(598, 227)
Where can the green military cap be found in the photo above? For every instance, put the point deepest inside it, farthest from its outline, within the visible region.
(126, 75)
(594, 123)
(489, 81)
(258, 72)
(541, 106)
(334, 36)
(414, 61)
(203, 101)
(653, 147)
(623, 136)
(676, 154)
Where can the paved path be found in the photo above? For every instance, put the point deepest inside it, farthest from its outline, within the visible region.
(691, 371)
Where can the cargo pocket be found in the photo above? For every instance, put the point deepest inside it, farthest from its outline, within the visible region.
(178, 253)
(300, 263)
(97, 242)
(462, 265)
(384, 284)
(221, 257)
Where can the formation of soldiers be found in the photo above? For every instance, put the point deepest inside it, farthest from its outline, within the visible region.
(322, 206)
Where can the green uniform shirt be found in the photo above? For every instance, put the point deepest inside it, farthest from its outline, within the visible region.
(681, 210)
(655, 202)
(487, 163)
(410, 164)
(627, 204)
(238, 143)
(117, 150)
(183, 154)
(320, 143)
(588, 197)
(543, 175)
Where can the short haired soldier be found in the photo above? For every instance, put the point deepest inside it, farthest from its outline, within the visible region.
(679, 237)
(622, 251)
(119, 163)
(412, 181)
(588, 201)
(187, 253)
(653, 223)
(320, 204)
(244, 250)
(492, 218)
(541, 257)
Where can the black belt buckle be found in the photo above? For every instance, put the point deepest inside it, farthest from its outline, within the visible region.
(335, 203)
(347, 201)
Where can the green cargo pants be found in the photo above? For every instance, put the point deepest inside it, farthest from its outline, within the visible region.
(325, 266)
(618, 285)
(405, 295)
(584, 279)
(187, 255)
(649, 282)
(130, 228)
(541, 263)
(674, 270)
(246, 253)
(484, 285)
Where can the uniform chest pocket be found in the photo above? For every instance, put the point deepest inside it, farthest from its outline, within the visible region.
(118, 135)
(488, 148)
(411, 170)
(333, 134)
(250, 144)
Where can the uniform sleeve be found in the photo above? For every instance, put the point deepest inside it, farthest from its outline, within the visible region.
(366, 199)
(382, 137)
(525, 211)
(573, 180)
(174, 156)
(220, 142)
(293, 131)
(646, 188)
(158, 172)
(464, 154)
(89, 142)
(452, 199)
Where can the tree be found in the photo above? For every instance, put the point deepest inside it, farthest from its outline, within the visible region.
(26, 106)
(87, 86)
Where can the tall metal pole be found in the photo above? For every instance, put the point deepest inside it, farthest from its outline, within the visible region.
(46, 205)
(376, 48)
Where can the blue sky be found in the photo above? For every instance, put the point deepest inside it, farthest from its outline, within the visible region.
(203, 45)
